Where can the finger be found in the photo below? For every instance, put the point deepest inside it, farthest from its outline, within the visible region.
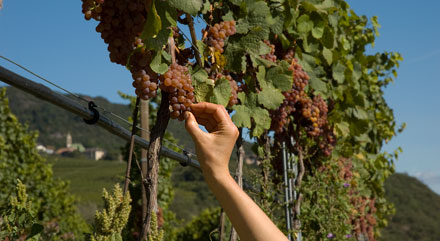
(203, 107)
(192, 126)
(211, 111)
(209, 125)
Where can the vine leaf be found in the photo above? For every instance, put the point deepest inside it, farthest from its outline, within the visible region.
(156, 64)
(270, 97)
(248, 111)
(153, 24)
(167, 17)
(328, 55)
(280, 76)
(203, 86)
(188, 6)
(339, 72)
(304, 24)
(221, 92)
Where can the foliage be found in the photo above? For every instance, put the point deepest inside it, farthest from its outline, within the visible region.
(200, 228)
(52, 205)
(110, 221)
(18, 218)
(156, 234)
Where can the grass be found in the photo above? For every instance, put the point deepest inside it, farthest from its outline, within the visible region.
(87, 179)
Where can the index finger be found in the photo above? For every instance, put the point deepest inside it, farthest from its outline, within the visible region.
(210, 110)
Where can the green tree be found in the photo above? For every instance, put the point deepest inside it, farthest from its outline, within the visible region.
(52, 204)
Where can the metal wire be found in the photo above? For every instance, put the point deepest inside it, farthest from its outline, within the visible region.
(87, 101)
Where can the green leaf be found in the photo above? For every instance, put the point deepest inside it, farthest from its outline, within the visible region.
(318, 85)
(242, 116)
(262, 121)
(338, 72)
(35, 230)
(168, 18)
(153, 24)
(156, 64)
(357, 71)
(304, 24)
(360, 113)
(342, 128)
(280, 77)
(221, 92)
(270, 97)
(188, 6)
(318, 30)
(328, 38)
(201, 47)
(235, 59)
(328, 55)
(257, 60)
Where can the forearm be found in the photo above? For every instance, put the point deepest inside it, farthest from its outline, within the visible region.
(251, 223)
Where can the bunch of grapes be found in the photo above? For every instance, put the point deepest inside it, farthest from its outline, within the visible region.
(270, 56)
(233, 99)
(177, 82)
(310, 113)
(120, 25)
(365, 222)
(219, 32)
(295, 99)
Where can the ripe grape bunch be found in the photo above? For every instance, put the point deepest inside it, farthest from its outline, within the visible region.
(177, 82)
(120, 25)
(311, 113)
(219, 32)
(294, 99)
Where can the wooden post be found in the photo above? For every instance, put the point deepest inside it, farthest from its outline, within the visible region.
(145, 125)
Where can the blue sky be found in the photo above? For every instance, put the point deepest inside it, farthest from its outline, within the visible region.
(52, 38)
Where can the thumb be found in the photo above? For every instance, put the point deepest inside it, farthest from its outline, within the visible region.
(192, 126)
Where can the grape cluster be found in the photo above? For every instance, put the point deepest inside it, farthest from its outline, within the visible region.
(219, 32)
(311, 113)
(365, 222)
(177, 82)
(145, 82)
(270, 56)
(294, 99)
(233, 99)
(120, 25)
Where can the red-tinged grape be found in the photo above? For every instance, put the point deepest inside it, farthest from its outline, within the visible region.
(177, 82)
(219, 32)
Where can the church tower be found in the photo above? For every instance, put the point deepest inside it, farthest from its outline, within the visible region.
(68, 140)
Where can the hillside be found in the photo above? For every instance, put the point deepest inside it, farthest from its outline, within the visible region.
(417, 215)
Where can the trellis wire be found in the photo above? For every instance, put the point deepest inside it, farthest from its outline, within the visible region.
(44, 93)
(85, 100)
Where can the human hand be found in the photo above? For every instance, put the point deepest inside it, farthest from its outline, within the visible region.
(215, 147)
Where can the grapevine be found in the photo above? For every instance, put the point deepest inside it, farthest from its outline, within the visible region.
(255, 58)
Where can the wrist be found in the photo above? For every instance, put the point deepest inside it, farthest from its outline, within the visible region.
(216, 176)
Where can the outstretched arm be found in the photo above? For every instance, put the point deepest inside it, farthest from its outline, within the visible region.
(213, 151)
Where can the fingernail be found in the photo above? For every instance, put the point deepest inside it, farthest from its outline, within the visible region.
(186, 115)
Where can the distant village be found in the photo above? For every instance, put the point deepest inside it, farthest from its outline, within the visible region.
(98, 153)
(91, 153)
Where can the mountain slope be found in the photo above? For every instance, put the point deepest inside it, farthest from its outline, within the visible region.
(417, 215)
